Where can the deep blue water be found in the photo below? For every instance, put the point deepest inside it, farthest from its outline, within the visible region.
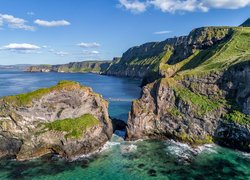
(118, 91)
(118, 159)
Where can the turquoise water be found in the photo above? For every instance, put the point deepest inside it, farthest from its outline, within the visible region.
(119, 159)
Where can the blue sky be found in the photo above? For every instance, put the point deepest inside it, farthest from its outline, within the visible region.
(56, 32)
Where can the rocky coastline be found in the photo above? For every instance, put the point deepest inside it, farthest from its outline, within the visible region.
(67, 119)
(196, 89)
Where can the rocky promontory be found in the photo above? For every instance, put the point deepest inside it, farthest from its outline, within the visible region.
(148, 60)
(73, 67)
(67, 119)
(203, 95)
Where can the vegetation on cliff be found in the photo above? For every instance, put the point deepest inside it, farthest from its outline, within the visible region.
(73, 67)
(27, 98)
(237, 117)
(57, 119)
(74, 128)
(202, 85)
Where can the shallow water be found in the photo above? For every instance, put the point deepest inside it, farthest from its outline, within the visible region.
(119, 159)
(138, 160)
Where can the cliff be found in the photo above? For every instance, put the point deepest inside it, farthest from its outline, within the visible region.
(147, 61)
(84, 66)
(67, 119)
(203, 94)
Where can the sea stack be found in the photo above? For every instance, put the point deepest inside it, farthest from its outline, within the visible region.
(67, 119)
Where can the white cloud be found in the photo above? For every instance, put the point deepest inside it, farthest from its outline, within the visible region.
(226, 4)
(30, 13)
(61, 53)
(51, 50)
(91, 52)
(23, 48)
(20, 47)
(162, 32)
(14, 22)
(51, 23)
(172, 6)
(95, 52)
(89, 45)
(133, 5)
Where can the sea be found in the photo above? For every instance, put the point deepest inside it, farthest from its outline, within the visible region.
(119, 159)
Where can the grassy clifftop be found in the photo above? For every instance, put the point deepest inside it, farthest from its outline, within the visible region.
(27, 98)
(202, 91)
(215, 58)
(151, 60)
(84, 67)
(74, 128)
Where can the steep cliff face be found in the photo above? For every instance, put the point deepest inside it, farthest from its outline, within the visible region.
(67, 119)
(85, 66)
(201, 99)
(146, 61)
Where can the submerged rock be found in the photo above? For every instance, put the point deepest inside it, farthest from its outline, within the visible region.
(66, 119)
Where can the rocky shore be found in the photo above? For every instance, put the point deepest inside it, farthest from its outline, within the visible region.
(201, 99)
(196, 88)
(67, 119)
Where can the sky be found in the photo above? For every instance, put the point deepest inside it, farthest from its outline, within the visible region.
(62, 31)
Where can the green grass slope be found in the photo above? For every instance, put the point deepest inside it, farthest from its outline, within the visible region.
(216, 58)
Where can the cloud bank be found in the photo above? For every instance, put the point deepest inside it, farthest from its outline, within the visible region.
(61, 53)
(51, 23)
(162, 32)
(14, 22)
(134, 6)
(89, 45)
(20, 47)
(94, 52)
(172, 6)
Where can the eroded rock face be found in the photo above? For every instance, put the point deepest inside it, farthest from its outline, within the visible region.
(44, 121)
(196, 110)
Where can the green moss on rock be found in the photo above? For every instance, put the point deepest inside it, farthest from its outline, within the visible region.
(202, 103)
(26, 99)
(175, 112)
(220, 56)
(184, 137)
(237, 117)
(74, 128)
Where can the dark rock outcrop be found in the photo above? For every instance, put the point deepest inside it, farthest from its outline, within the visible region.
(67, 119)
(246, 23)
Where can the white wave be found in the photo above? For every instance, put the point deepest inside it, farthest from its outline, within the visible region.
(180, 150)
(184, 151)
(208, 148)
(108, 145)
(136, 141)
(128, 148)
(247, 155)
